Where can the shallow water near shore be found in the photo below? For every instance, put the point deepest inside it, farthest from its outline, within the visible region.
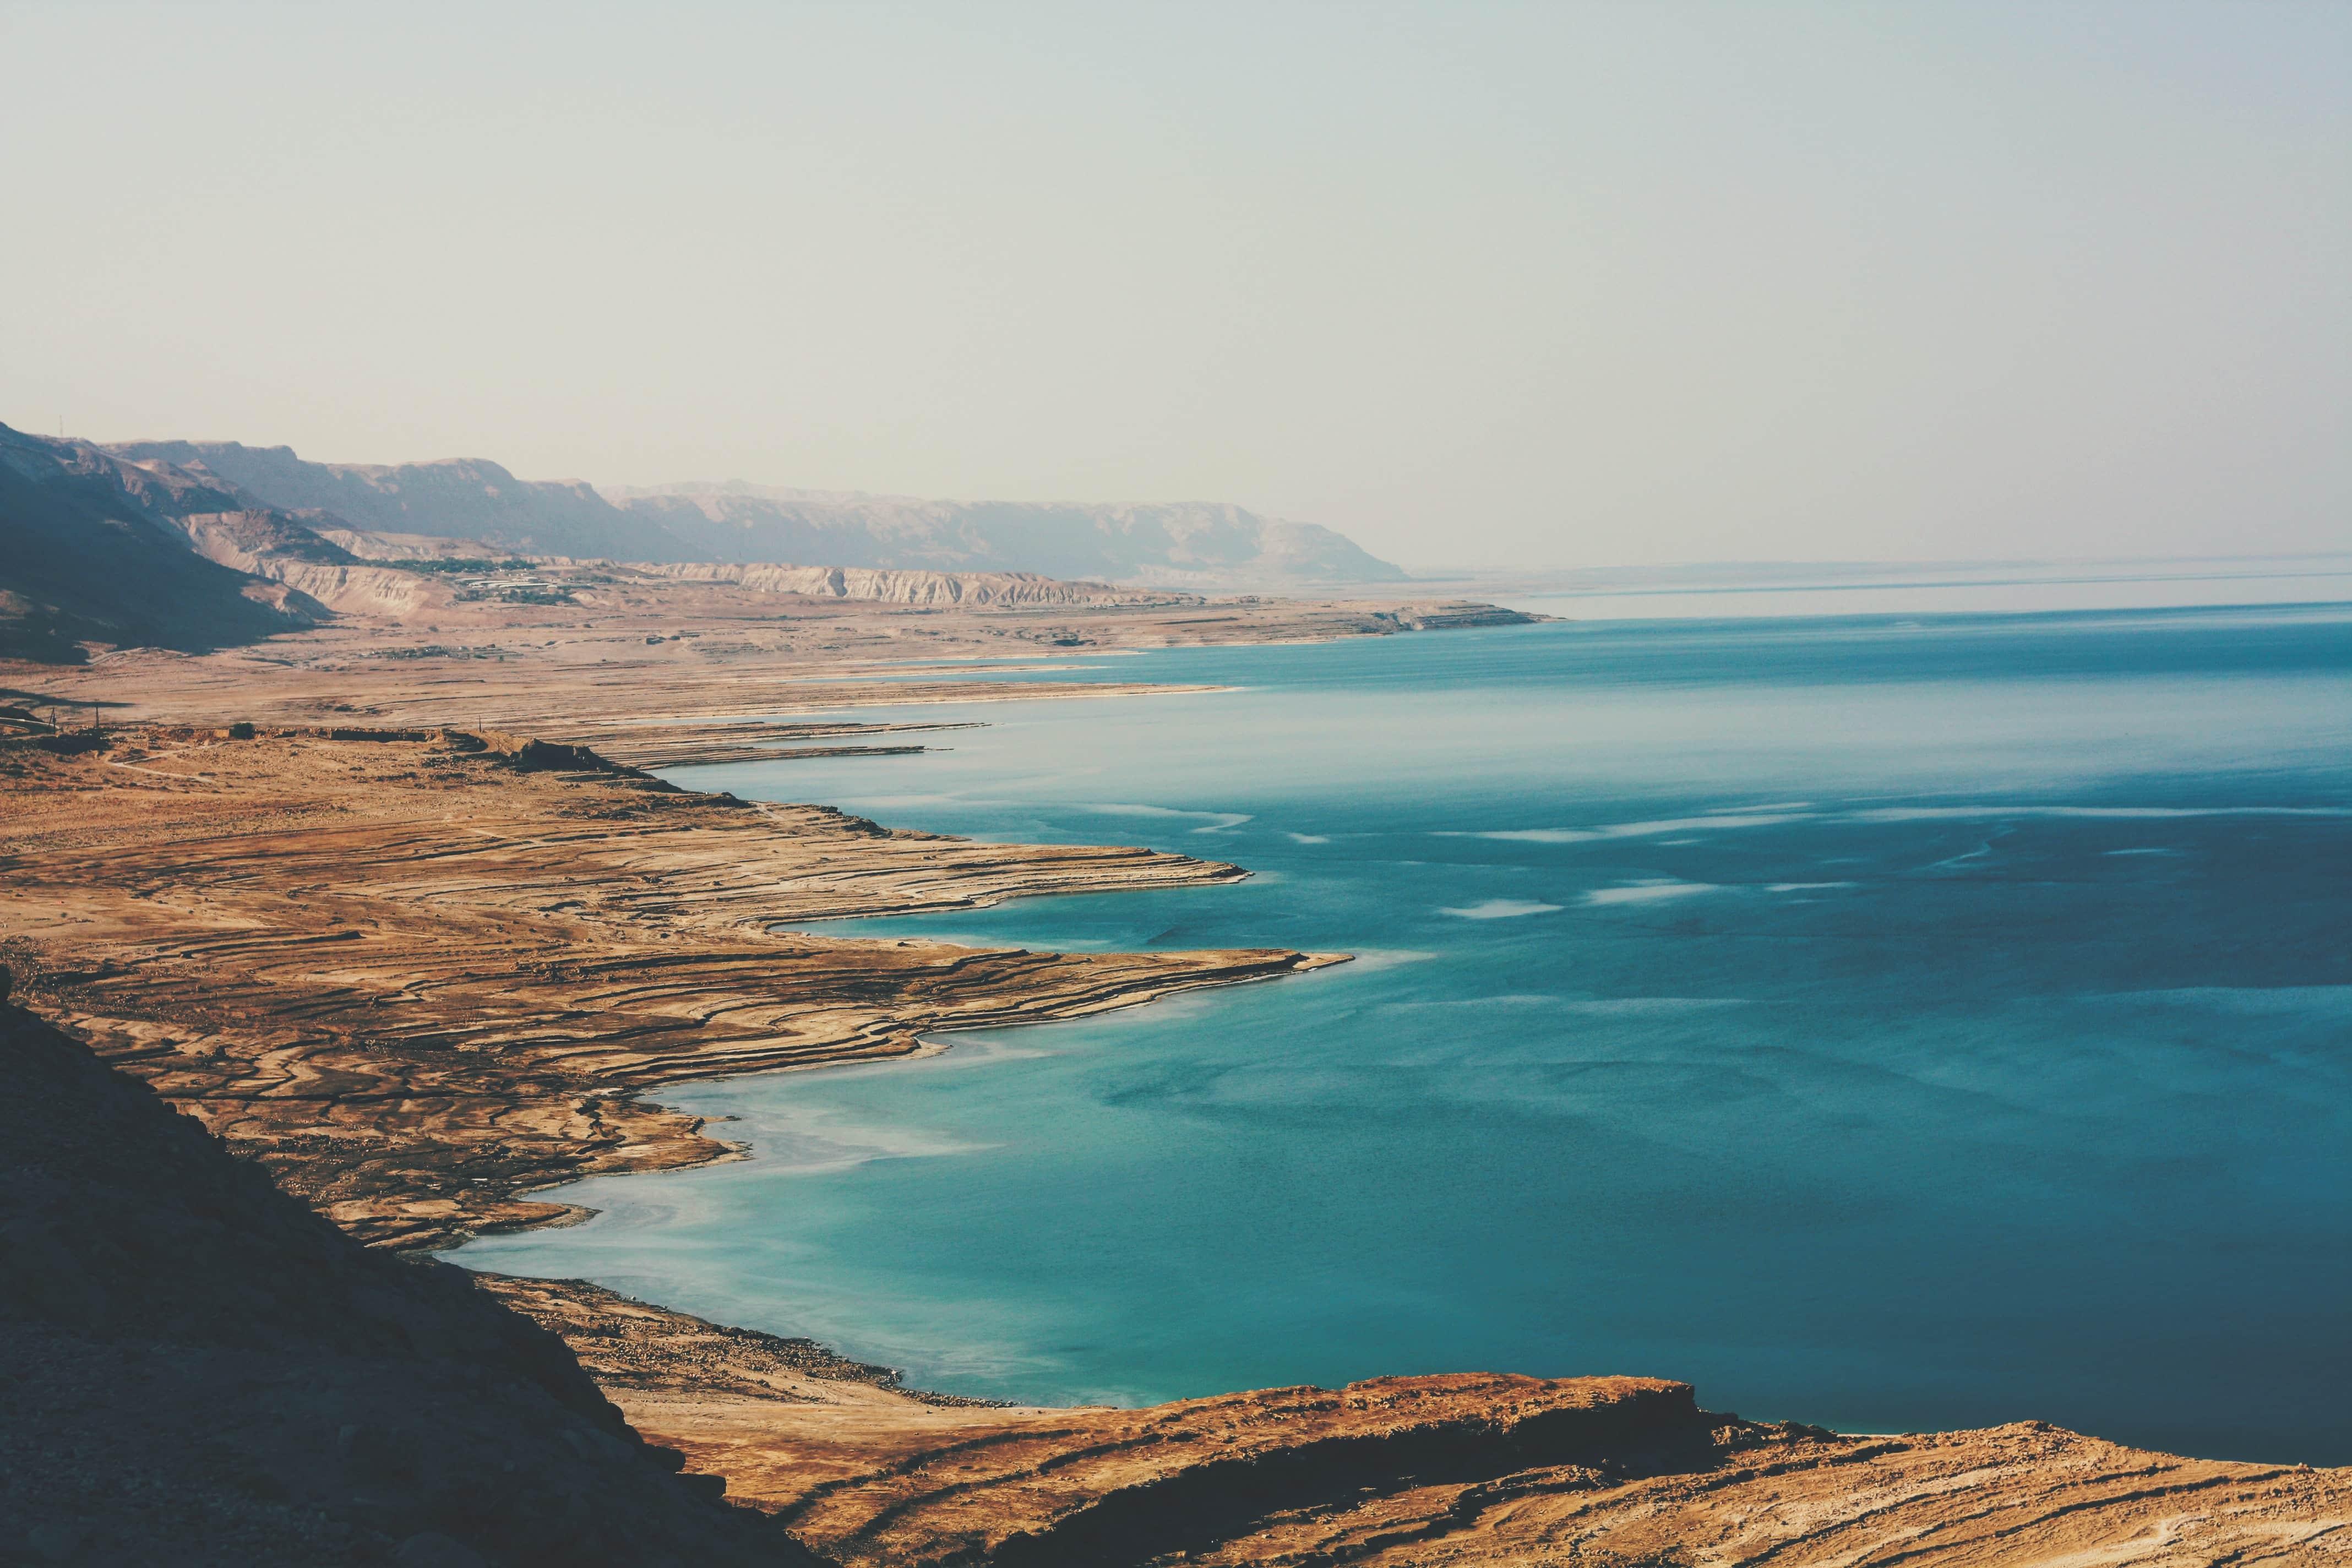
(1892, 1023)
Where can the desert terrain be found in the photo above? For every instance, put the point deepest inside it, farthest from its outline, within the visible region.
(390, 907)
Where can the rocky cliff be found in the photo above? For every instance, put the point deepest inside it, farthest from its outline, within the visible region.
(280, 548)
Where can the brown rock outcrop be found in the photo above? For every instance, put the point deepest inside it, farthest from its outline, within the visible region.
(1131, 1486)
(1606, 1472)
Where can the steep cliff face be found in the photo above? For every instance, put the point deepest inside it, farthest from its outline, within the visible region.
(200, 1369)
(278, 549)
(247, 539)
(90, 550)
(274, 546)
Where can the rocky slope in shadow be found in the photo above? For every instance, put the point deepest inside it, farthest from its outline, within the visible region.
(91, 549)
(199, 1368)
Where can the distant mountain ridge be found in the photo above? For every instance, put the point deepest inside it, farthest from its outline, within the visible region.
(1179, 545)
(464, 497)
(160, 544)
(196, 546)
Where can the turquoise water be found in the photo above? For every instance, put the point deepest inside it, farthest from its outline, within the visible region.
(1890, 1022)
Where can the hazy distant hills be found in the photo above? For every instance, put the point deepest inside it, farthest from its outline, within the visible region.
(1180, 544)
(462, 498)
(193, 546)
(1184, 544)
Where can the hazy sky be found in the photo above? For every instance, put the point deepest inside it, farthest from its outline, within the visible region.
(1560, 284)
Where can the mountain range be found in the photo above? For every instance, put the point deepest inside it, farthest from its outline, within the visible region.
(193, 546)
(1182, 545)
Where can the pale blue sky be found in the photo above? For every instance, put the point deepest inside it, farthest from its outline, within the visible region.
(1563, 284)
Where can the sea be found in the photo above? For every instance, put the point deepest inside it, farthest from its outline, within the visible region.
(1894, 1019)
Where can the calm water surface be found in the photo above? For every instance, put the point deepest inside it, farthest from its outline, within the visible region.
(1890, 1022)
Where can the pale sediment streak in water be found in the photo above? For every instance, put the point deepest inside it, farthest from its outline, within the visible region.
(1211, 821)
(1501, 910)
(1648, 892)
(1764, 817)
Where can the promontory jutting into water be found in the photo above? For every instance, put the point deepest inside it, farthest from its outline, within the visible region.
(1891, 1023)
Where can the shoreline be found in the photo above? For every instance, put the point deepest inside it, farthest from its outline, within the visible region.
(928, 1044)
(423, 979)
(493, 1006)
